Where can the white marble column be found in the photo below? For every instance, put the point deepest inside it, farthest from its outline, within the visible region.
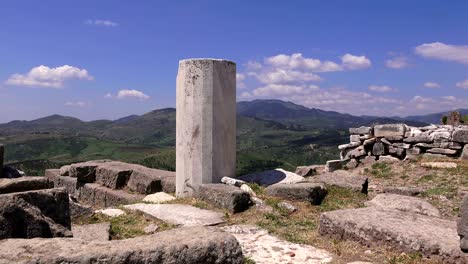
(206, 123)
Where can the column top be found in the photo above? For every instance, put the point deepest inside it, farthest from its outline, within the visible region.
(205, 59)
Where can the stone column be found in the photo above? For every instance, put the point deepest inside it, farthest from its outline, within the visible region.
(206, 123)
(2, 153)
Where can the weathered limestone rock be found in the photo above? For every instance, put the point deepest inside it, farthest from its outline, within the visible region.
(399, 152)
(464, 155)
(404, 203)
(2, 156)
(43, 213)
(159, 197)
(270, 177)
(378, 149)
(360, 130)
(356, 153)
(181, 246)
(23, 184)
(462, 225)
(390, 130)
(451, 145)
(312, 192)
(351, 164)
(460, 135)
(442, 151)
(92, 232)
(146, 181)
(422, 138)
(113, 175)
(333, 165)
(206, 123)
(439, 165)
(179, 214)
(225, 196)
(344, 179)
(263, 248)
(405, 230)
(355, 138)
(369, 141)
(368, 160)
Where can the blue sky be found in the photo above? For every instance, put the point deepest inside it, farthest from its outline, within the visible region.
(108, 58)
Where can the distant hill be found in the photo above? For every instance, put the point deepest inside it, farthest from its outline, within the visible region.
(433, 118)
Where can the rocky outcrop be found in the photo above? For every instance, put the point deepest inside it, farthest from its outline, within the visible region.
(225, 196)
(182, 246)
(42, 213)
(393, 142)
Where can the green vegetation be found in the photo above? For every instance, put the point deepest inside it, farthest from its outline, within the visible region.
(380, 170)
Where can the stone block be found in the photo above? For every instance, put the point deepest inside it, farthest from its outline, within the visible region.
(460, 135)
(360, 130)
(40, 213)
(378, 149)
(84, 172)
(23, 184)
(92, 232)
(398, 152)
(224, 196)
(333, 165)
(404, 203)
(442, 151)
(113, 175)
(68, 183)
(355, 138)
(390, 130)
(147, 181)
(206, 245)
(349, 145)
(206, 123)
(307, 191)
(423, 138)
(344, 179)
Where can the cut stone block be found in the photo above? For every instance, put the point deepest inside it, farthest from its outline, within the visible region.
(83, 172)
(182, 246)
(355, 138)
(404, 203)
(40, 213)
(23, 184)
(113, 175)
(360, 130)
(65, 170)
(408, 231)
(206, 123)
(92, 232)
(390, 130)
(270, 177)
(225, 196)
(442, 151)
(333, 165)
(264, 248)
(344, 179)
(146, 181)
(460, 135)
(52, 174)
(179, 214)
(159, 197)
(312, 192)
(78, 210)
(439, 165)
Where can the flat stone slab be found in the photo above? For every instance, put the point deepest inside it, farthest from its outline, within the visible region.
(272, 177)
(343, 179)
(23, 184)
(182, 246)
(439, 165)
(92, 232)
(111, 212)
(263, 248)
(159, 197)
(408, 231)
(179, 214)
(404, 203)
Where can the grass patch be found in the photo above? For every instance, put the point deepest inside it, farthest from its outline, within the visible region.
(342, 198)
(381, 170)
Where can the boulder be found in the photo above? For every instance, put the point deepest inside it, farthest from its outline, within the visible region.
(40, 213)
(369, 141)
(368, 160)
(270, 177)
(360, 130)
(182, 246)
(92, 232)
(24, 184)
(442, 151)
(462, 225)
(224, 196)
(460, 135)
(356, 153)
(389, 130)
(312, 192)
(287, 206)
(405, 230)
(403, 203)
(401, 145)
(451, 145)
(333, 165)
(344, 179)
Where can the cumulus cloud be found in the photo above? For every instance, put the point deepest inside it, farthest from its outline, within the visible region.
(281, 89)
(129, 94)
(100, 22)
(352, 62)
(277, 75)
(463, 84)
(381, 88)
(75, 103)
(43, 76)
(442, 51)
(297, 61)
(240, 80)
(397, 62)
(431, 85)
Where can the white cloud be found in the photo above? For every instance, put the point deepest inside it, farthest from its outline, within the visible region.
(281, 89)
(441, 51)
(253, 65)
(431, 85)
(277, 75)
(124, 94)
(397, 62)
(76, 103)
(463, 84)
(297, 61)
(43, 76)
(108, 95)
(381, 88)
(240, 80)
(449, 98)
(421, 99)
(352, 62)
(100, 22)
